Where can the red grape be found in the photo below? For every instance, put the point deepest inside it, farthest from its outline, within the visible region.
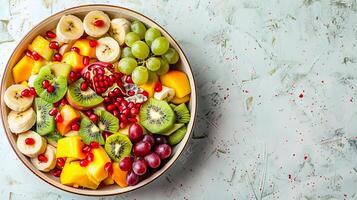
(139, 167)
(150, 139)
(132, 178)
(135, 132)
(163, 150)
(125, 163)
(141, 148)
(160, 139)
(153, 160)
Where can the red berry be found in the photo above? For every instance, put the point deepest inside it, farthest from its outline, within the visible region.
(57, 57)
(134, 111)
(83, 163)
(50, 89)
(45, 84)
(57, 172)
(110, 107)
(33, 91)
(29, 141)
(75, 49)
(131, 93)
(42, 158)
(108, 167)
(153, 160)
(86, 149)
(122, 125)
(158, 87)
(59, 118)
(75, 127)
(35, 55)
(61, 162)
(139, 167)
(146, 94)
(86, 60)
(50, 34)
(53, 112)
(128, 79)
(54, 45)
(28, 53)
(25, 93)
(84, 86)
(93, 118)
(63, 102)
(93, 43)
(135, 132)
(126, 163)
(132, 119)
(90, 156)
(98, 23)
(94, 145)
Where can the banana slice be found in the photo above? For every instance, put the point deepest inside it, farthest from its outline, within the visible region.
(66, 47)
(89, 23)
(21, 121)
(69, 28)
(119, 28)
(50, 154)
(32, 150)
(31, 80)
(108, 50)
(165, 94)
(14, 100)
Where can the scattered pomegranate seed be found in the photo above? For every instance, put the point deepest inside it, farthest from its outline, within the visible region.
(132, 119)
(33, 91)
(54, 45)
(126, 111)
(42, 158)
(50, 89)
(28, 53)
(94, 144)
(29, 141)
(63, 102)
(59, 118)
(122, 125)
(98, 23)
(106, 100)
(108, 167)
(93, 43)
(45, 84)
(112, 78)
(86, 60)
(128, 79)
(90, 156)
(93, 118)
(89, 112)
(131, 93)
(56, 104)
(134, 111)
(75, 127)
(86, 149)
(57, 57)
(25, 93)
(53, 112)
(75, 49)
(35, 55)
(73, 76)
(146, 94)
(158, 87)
(50, 34)
(110, 107)
(106, 134)
(83, 163)
(131, 104)
(84, 86)
(57, 172)
(61, 162)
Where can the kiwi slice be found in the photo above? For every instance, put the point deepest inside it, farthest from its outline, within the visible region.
(174, 128)
(82, 99)
(90, 132)
(45, 123)
(157, 116)
(173, 106)
(53, 138)
(58, 82)
(118, 146)
(177, 136)
(182, 113)
(107, 121)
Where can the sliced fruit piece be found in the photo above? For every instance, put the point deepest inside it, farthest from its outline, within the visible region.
(119, 28)
(119, 175)
(70, 147)
(108, 181)
(174, 128)
(95, 169)
(21, 121)
(69, 28)
(84, 48)
(82, 99)
(96, 23)
(31, 150)
(59, 83)
(73, 59)
(37, 65)
(14, 100)
(118, 146)
(41, 46)
(53, 138)
(177, 136)
(75, 175)
(72, 133)
(107, 121)
(48, 163)
(31, 80)
(108, 50)
(177, 100)
(70, 116)
(125, 130)
(22, 70)
(178, 81)
(156, 116)
(60, 69)
(90, 132)
(166, 94)
(182, 113)
(45, 123)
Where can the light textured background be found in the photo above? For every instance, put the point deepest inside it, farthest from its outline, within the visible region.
(277, 99)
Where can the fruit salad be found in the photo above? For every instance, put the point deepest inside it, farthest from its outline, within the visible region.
(98, 101)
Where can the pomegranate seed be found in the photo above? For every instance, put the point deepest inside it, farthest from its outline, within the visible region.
(138, 105)
(57, 57)
(25, 93)
(94, 144)
(28, 53)
(119, 99)
(50, 34)
(53, 112)
(86, 149)
(123, 118)
(56, 104)
(124, 103)
(86, 60)
(42, 158)
(29, 141)
(45, 84)
(75, 49)
(126, 111)
(96, 79)
(63, 102)
(54, 45)
(108, 168)
(110, 107)
(117, 104)
(106, 134)
(112, 78)
(83, 163)
(75, 127)
(146, 94)
(106, 100)
(93, 118)
(61, 162)
(116, 113)
(57, 173)
(131, 93)
(78, 75)
(121, 108)
(33, 91)
(84, 86)
(98, 23)
(158, 87)
(131, 104)
(134, 111)
(35, 55)
(128, 79)
(132, 119)
(90, 156)
(122, 125)
(93, 43)
(101, 71)
(59, 118)
(50, 89)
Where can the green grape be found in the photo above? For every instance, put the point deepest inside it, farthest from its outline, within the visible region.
(164, 67)
(126, 52)
(140, 50)
(153, 63)
(140, 75)
(130, 38)
(139, 28)
(160, 45)
(171, 56)
(152, 77)
(127, 65)
(151, 34)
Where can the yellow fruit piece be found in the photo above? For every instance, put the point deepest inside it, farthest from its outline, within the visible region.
(96, 171)
(84, 48)
(75, 175)
(125, 130)
(41, 46)
(108, 181)
(178, 81)
(177, 100)
(37, 66)
(24, 83)
(22, 70)
(74, 59)
(149, 87)
(70, 147)
(119, 175)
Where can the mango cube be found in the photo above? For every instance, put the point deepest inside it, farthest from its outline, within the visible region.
(84, 48)
(178, 81)
(41, 46)
(119, 175)
(74, 59)
(70, 147)
(96, 172)
(22, 70)
(75, 175)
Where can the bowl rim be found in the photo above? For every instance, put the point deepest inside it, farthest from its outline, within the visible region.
(83, 191)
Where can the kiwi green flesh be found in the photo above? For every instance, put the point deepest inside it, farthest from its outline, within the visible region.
(182, 113)
(84, 99)
(45, 123)
(157, 116)
(118, 146)
(60, 69)
(174, 128)
(177, 136)
(107, 121)
(90, 132)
